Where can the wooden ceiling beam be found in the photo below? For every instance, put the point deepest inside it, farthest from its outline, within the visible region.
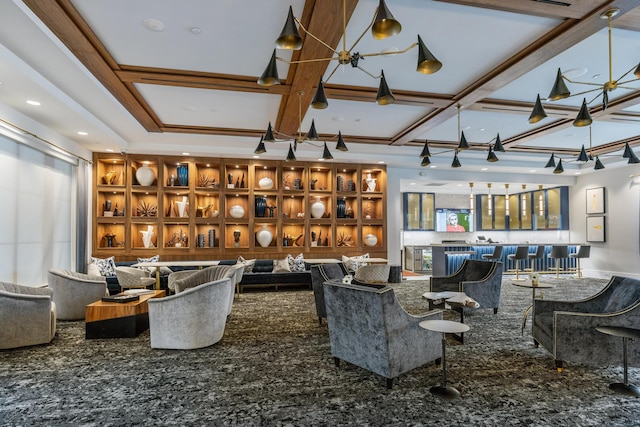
(564, 36)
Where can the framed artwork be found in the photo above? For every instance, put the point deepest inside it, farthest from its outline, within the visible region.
(595, 200)
(595, 229)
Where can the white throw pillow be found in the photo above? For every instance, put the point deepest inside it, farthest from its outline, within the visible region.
(246, 263)
(93, 270)
(353, 263)
(164, 271)
(281, 265)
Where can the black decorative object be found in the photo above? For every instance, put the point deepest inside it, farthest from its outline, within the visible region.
(242, 181)
(341, 211)
(261, 207)
(340, 182)
(212, 238)
(297, 184)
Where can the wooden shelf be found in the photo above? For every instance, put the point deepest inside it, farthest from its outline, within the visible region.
(275, 194)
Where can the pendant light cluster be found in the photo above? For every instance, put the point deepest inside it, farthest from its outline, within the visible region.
(382, 26)
(587, 157)
(463, 145)
(312, 135)
(561, 91)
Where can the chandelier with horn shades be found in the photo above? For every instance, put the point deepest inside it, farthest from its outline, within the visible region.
(561, 91)
(294, 141)
(382, 26)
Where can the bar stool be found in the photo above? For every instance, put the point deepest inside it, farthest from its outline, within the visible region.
(522, 252)
(558, 253)
(495, 256)
(533, 256)
(583, 252)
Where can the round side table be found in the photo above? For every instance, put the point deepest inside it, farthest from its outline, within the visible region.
(626, 334)
(445, 326)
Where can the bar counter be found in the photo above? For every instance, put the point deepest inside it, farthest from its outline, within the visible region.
(443, 259)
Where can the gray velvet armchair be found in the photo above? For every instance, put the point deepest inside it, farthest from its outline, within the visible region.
(27, 315)
(480, 280)
(73, 291)
(180, 281)
(369, 328)
(567, 328)
(193, 318)
(322, 273)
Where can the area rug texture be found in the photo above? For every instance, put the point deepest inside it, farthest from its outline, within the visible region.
(274, 368)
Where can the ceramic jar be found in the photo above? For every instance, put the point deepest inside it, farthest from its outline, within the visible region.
(317, 209)
(236, 211)
(265, 183)
(145, 175)
(370, 240)
(264, 236)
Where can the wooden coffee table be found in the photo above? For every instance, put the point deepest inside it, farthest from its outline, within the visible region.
(118, 320)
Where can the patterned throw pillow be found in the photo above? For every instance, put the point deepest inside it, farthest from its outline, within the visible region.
(247, 263)
(107, 266)
(281, 265)
(353, 263)
(297, 263)
(378, 273)
(164, 271)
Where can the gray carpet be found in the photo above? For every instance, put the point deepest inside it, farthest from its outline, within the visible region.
(274, 368)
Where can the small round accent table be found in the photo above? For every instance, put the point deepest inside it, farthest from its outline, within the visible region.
(451, 327)
(527, 284)
(626, 334)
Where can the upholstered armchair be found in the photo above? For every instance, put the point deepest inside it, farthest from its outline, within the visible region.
(131, 277)
(369, 328)
(322, 273)
(193, 318)
(27, 315)
(192, 278)
(479, 280)
(567, 328)
(73, 291)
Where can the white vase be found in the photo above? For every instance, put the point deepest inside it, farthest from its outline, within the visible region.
(265, 183)
(371, 183)
(145, 175)
(236, 211)
(182, 207)
(264, 237)
(370, 240)
(317, 209)
(147, 237)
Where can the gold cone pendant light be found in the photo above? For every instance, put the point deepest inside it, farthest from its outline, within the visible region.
(538, 112)
(382, 26)
(583, 118)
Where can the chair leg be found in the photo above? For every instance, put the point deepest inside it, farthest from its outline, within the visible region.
(495, 310)
(336, 361)
(389, 383)
(320, 321)
(559, 365)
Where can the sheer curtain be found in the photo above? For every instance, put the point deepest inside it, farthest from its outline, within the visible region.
(39, 216)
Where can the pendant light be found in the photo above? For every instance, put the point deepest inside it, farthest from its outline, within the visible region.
(559, 90)
(290, 156)
(260, 148)
(425, 150)
(552, 162)
(506, 199)
(427, 63)
(326, 155)
(583, 157)
(538, 112)
(491, 157)
(498, 145)
(289, 37)
(270, 75)
(340, 145)
(559, 169)
(463, 145)
(456, 163)
(319, 99)
(425, 161)
(384, 97)
(583, 118)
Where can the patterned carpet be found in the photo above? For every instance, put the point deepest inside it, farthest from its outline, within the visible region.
(274, 368)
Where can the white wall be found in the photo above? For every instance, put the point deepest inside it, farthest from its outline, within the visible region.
(620, 254)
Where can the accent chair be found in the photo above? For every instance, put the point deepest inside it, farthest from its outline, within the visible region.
(387, 341)
(73, 291)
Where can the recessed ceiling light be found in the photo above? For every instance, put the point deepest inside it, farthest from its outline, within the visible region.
(533, 171)
(574, 73)
(484, 169)
(109, 150)
(185, 154)
(196, 30)
(153, 25)
(578, 173)
(412, 183)
(381, 162)
(30, 102)
(597, 76)
(256, 157)
(433, 166)
(83, 133)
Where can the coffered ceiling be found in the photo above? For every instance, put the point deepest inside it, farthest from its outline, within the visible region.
(167, 77)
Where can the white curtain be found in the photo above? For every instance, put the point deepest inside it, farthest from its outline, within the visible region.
(37, 213)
